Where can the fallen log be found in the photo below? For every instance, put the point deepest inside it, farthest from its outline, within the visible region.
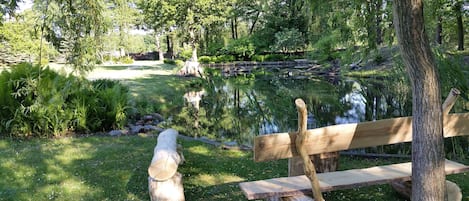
(164, 182)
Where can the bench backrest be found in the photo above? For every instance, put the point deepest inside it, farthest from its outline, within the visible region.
(350, 136)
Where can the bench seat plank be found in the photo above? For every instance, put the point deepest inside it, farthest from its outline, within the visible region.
(299, 185)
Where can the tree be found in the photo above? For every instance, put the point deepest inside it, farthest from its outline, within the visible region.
(7, 7)
(428, 176)
(124, 14)
(193, 15)
(20, 38)
(159, 15)
(76, 28)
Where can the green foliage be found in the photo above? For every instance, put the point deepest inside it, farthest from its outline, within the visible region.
(289, 40)
(325, 47)
(241, 48)
(258, 58)
(451, 71)
(186, 54)
(225, 59)
(169, 61)
(205, 59)
(275, 57)
(123, 60)
(19, 40)
(179, 63)
(42, 103)
(76, 28)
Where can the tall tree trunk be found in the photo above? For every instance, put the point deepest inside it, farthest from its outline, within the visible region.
(428, 176)
(251, 29)
(439, 31)
(236, 27)
(193, 44)
(460, 25)
(232, 30)
(158, 47)
(379, 31)
(169, 45)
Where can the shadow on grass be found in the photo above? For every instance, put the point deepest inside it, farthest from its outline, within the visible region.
(93, 168)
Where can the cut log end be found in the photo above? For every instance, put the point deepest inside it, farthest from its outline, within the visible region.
(300, 103)
(162, 170)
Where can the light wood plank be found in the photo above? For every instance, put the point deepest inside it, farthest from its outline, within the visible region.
(299, 185)
(350, 136)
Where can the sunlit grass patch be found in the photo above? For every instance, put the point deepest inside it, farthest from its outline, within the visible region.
(210, 180)
(106, 168)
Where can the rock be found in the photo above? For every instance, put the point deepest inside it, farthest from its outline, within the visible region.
(140, 123)
(231, 144)
(136, 129)
(148, 118)
(148, 128)
(115, 133)
(158, 117)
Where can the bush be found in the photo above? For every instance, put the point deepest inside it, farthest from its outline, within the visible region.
(275, 57)
(259, 58)
(40, 102)
(242, 48)
(126, 60)
(205, 59)
(186, 54)
(169, 61)
(225, 59)
(179, 63)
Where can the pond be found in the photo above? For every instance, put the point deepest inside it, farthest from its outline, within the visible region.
(240, 108)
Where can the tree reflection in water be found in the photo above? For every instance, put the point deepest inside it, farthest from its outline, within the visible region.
(239, 108)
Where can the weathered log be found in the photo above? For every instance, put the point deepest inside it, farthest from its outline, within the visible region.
(309, 168)
(165, 159)
(164, 183)
(169, 190)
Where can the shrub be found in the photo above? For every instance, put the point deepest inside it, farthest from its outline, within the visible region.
(259, 58)
(186, 54)
(275, 57)
(225, 58)
(179, 63)
(205, 59)
(126, 60)
(169, 61)
(242, 48)
(289, 40)
(40, 102)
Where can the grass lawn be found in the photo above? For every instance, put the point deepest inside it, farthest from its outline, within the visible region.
(107, 168)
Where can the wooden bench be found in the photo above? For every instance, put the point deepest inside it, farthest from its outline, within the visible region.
(338, 138)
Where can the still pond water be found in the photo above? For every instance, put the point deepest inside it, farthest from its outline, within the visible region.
(239, 108)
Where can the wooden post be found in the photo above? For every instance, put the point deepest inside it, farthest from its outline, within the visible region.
(404, 188)
(164, 183)
(450, 100)
(309, 169)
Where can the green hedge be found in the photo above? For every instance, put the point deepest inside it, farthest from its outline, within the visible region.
(39, 102)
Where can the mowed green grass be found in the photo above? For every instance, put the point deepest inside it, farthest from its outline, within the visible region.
(115, 168)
